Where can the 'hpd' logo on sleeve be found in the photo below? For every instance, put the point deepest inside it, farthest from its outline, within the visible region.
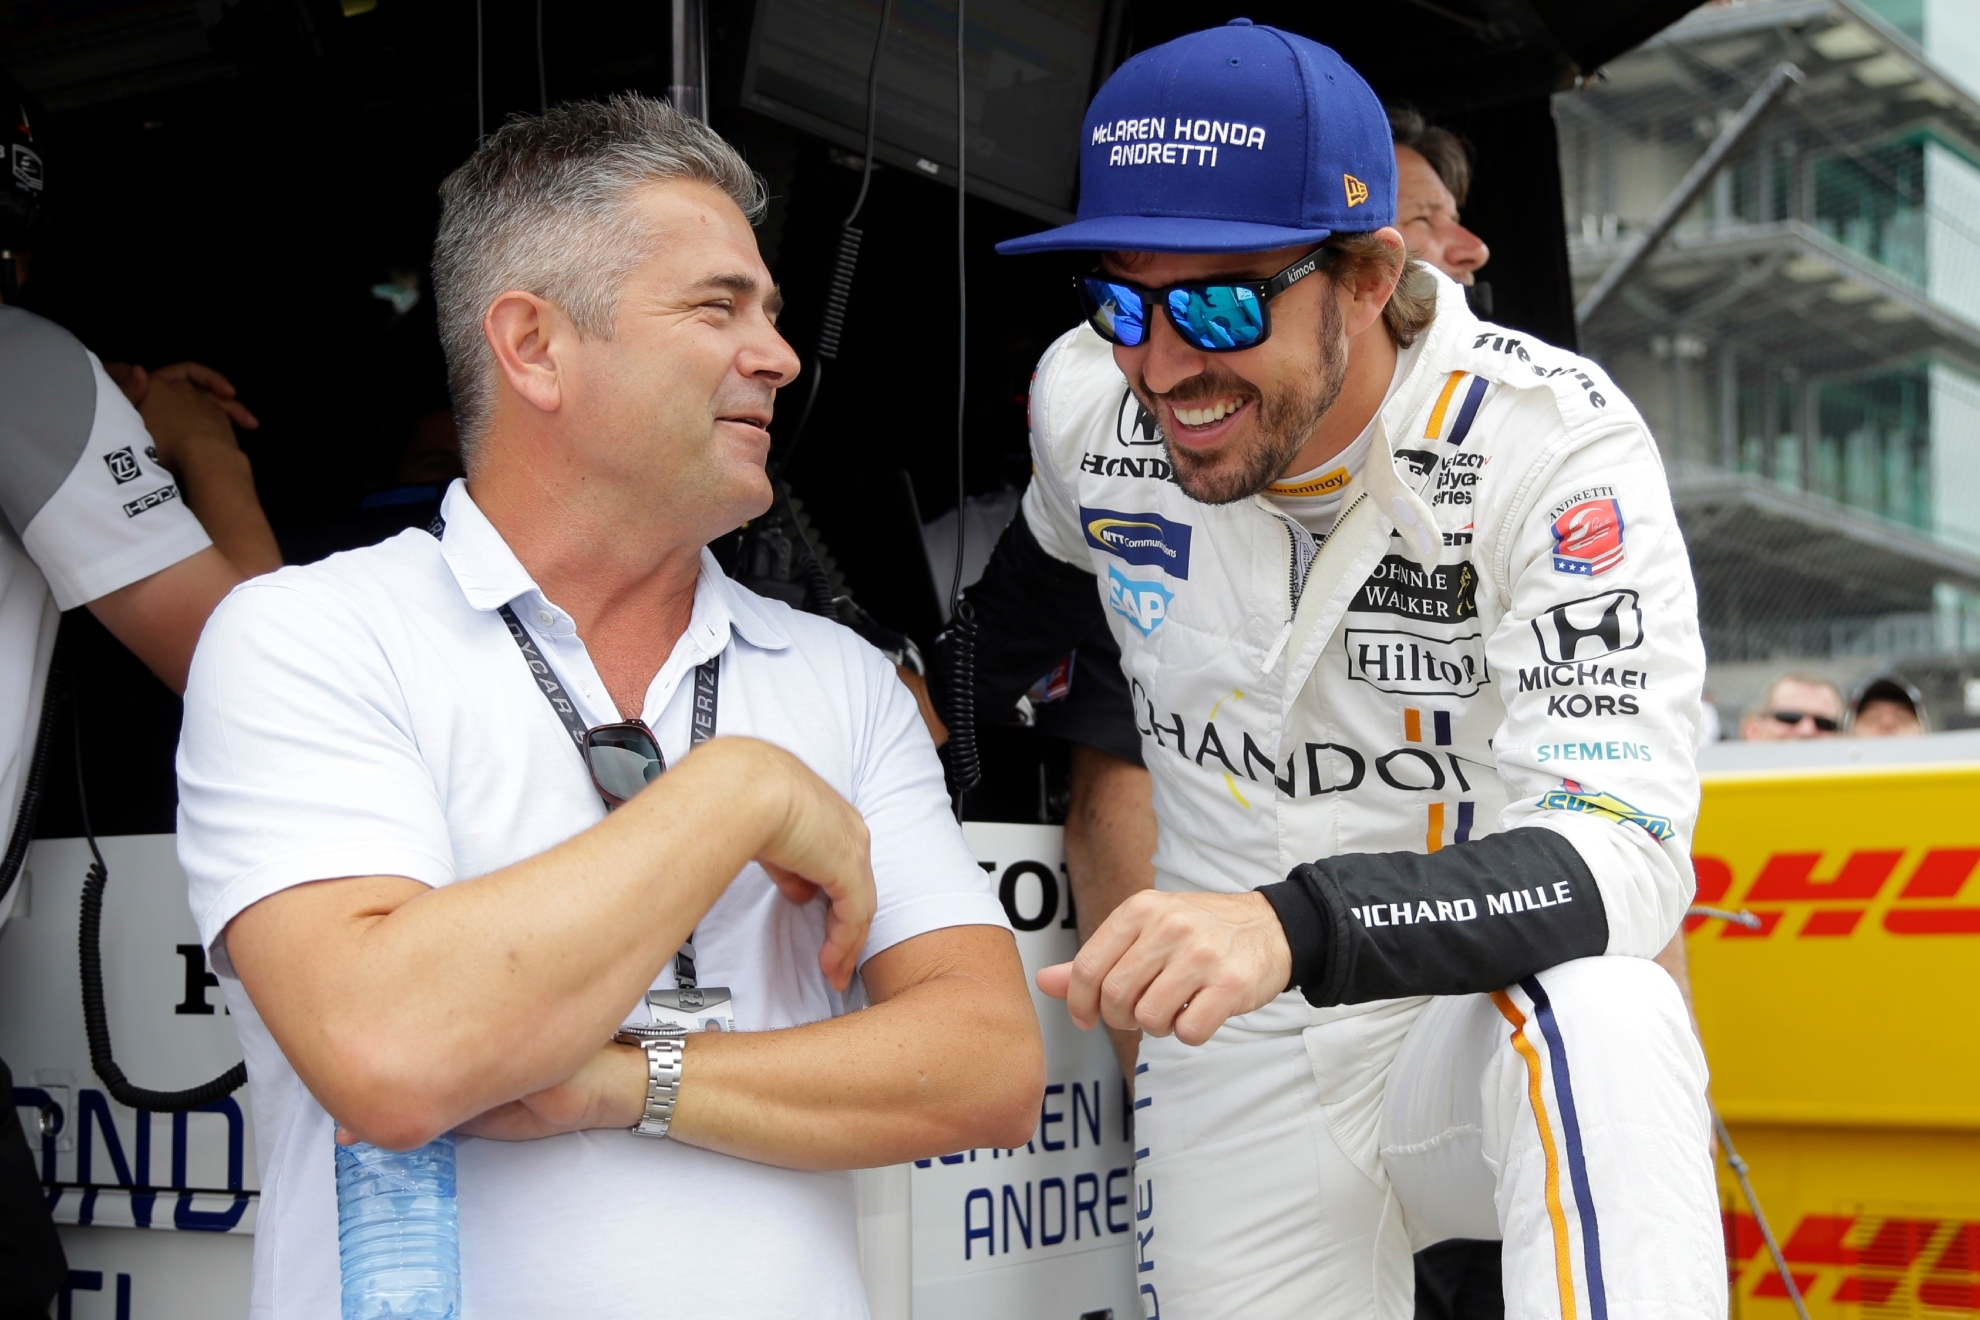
(1143, 604)
(1139, 538)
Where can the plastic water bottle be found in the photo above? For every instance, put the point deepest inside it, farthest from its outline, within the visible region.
(398, 1232)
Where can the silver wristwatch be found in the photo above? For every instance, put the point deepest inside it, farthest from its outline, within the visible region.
(663, 1046)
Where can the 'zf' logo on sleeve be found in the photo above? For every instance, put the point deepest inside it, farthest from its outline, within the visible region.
(123, 465)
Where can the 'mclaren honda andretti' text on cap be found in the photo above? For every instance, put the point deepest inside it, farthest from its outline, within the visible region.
(1237, 139)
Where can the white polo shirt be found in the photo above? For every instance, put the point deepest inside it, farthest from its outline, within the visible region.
(87, 510)
(370, 715)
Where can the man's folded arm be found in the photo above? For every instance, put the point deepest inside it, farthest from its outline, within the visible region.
(407, 1010)
(1468, 918)
(947, 1057)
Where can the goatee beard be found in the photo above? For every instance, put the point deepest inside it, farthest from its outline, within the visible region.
(1286, 420)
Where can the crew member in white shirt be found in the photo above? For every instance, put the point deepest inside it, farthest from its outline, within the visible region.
(423, 915)
(146, 515)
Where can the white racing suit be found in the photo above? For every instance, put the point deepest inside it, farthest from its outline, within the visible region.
(1454, 748)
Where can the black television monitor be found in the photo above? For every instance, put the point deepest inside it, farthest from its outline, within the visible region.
(1030, 66)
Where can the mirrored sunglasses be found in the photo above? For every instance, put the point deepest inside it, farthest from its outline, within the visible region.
(1215, 316)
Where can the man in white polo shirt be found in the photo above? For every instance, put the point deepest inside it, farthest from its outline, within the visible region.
(424, 917)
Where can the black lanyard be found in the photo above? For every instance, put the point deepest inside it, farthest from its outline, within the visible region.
(707, 688)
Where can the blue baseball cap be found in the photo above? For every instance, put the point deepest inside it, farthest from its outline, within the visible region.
(1240, 138)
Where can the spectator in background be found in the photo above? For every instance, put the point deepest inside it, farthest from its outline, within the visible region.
(1433, 174)
(1887, 707)
(1795, 706)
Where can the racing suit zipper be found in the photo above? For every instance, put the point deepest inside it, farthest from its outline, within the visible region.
(1302, 549)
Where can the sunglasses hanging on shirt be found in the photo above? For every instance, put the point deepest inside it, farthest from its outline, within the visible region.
(623, 758)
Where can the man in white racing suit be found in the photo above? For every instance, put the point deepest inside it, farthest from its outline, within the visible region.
(1410, 631)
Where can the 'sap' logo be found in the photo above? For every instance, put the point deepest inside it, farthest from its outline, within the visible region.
(1143, 604)
(1140, 538)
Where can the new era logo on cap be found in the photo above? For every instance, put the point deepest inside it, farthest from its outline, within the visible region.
(1229, 140)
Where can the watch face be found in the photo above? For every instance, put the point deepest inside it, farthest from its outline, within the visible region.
(696, 1008)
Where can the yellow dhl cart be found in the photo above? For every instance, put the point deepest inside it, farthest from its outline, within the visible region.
(1842, 1019)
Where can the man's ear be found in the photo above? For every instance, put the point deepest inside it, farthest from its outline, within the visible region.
(529, 336)
(1371, 284)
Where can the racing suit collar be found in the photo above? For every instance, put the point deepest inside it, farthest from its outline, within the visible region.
(1396, 499)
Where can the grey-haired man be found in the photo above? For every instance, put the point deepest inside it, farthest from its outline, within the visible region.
(424, 917)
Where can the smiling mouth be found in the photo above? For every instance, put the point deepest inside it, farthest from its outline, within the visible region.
(1204, 415)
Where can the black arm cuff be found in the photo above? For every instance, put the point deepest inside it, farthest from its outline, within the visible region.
(1469, 918)
(1031, 610)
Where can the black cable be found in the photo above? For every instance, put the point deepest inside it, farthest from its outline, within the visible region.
(818, 598)
(965, 763)
(96, 1023)
(846, 262)
(872, 107)
(962, 316)
(542, 84)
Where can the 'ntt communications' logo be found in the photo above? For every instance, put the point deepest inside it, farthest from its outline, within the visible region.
(1139, 538)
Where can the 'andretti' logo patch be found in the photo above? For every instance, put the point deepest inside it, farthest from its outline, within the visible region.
(1588, 532)
(1139, 538)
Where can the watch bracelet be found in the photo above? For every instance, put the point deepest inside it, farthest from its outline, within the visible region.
(664, 1049)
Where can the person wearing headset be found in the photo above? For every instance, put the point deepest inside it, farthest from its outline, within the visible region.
(124, 491)
(1419, 721)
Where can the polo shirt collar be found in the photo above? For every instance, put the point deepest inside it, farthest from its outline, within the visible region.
(491, 576)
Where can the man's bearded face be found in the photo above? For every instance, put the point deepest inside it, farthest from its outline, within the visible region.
(1290, 396)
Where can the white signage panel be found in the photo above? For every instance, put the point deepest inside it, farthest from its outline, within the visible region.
(156, 1207)
(1045, 1230)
